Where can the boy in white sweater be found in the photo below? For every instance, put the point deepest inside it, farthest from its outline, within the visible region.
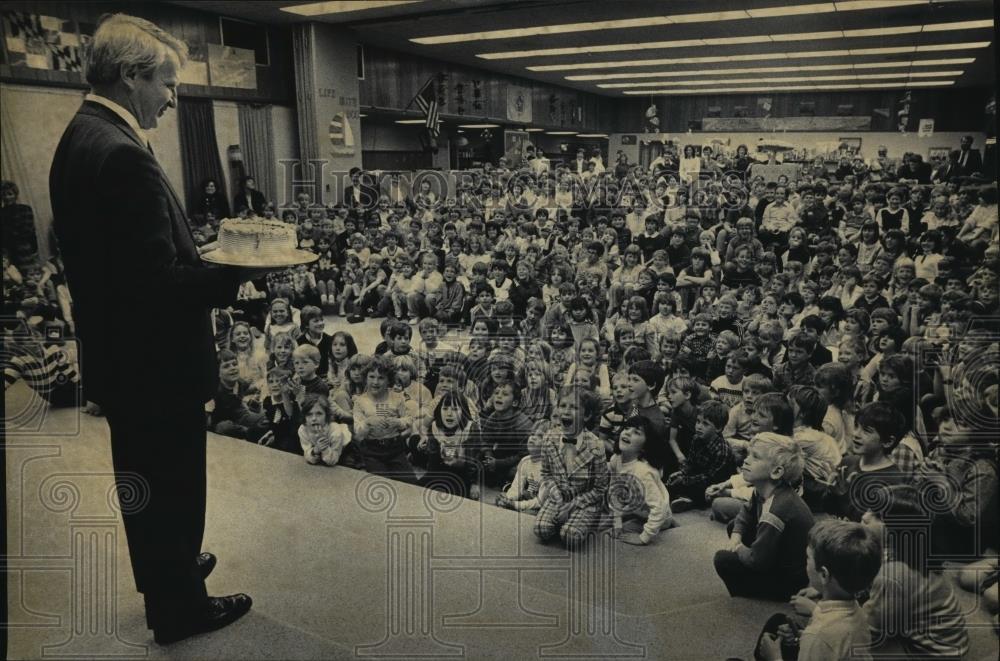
(638, 498)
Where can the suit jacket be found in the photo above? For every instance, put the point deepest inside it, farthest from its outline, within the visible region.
(973, 162)
(142, 296)
(255, 204)
(368, 196)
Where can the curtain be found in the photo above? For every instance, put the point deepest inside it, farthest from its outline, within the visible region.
(257, 145)
(649, 151)
(14, 166)
(199, 149)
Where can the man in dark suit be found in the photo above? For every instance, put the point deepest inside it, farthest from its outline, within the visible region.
(142, 300)
(249, 198)
(969, 159)
(360, 194)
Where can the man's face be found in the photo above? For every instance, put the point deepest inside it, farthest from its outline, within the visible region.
(150, 98)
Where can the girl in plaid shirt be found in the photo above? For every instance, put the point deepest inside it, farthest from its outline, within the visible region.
(574, 471)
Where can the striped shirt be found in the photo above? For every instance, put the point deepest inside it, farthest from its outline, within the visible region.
(920, 610)
(56, 367)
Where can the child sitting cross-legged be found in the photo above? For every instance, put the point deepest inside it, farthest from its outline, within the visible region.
(322, 439)
(380, 422)
(524, 494)
(868, 467)
(505, 433)
(574, 471)
(709, 458)
(637, 498)
(819, 449)
(842, 559)
(765, 556)
(451, 446)
(908, 603)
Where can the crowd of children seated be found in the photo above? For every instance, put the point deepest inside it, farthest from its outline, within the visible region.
(812, 361)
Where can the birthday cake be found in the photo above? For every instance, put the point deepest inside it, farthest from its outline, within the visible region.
(257, 242)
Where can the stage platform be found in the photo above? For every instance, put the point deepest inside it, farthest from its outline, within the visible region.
(345, 565)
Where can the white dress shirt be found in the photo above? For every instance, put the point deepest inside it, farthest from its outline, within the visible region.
(121, 112)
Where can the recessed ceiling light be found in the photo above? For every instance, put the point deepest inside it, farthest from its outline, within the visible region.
(410, 121)
(342, 7)
(655, 21)
(560, 133)
(683, 43)
(753, 57)
(478, 126)
(741, 70)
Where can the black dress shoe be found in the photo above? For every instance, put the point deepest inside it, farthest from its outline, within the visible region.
(206, 563)
(219, 612)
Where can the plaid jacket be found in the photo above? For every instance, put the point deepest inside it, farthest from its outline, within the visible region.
(585, 480)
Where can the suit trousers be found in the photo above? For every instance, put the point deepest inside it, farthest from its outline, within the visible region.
(159, 462)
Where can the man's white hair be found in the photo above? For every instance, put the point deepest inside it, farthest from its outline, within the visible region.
(123, 41)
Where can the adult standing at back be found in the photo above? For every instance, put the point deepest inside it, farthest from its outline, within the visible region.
(969, 159)
(129, 256)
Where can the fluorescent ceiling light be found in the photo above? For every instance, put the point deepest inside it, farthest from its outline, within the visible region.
(741, 70)
(783, 79)
(342, 7)
(655, 21)
(754, 57)
(478, 126)
(411, 121)
(940, 47)
(684, 43)
(792, 88)
(534, 130)
(883, 31)
(792, 10)
(709, 17)
(875, 4)
(961, 25)
(560, 133)
(735, 41)
(590, 135)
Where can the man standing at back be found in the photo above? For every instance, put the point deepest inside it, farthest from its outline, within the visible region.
(142, 299)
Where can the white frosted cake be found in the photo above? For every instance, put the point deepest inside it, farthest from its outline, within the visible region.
(260, 240)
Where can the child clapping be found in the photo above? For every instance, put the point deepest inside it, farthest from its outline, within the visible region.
(524, 493)
(322, 439)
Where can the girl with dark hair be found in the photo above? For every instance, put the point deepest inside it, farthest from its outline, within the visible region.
(450, 446)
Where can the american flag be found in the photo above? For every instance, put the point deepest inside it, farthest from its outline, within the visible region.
(426, 100)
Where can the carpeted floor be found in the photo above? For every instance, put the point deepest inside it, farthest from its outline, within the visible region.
(343, 565)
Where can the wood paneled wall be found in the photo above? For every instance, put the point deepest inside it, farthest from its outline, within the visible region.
(392, 80)
(960, 109)
(275, 83)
